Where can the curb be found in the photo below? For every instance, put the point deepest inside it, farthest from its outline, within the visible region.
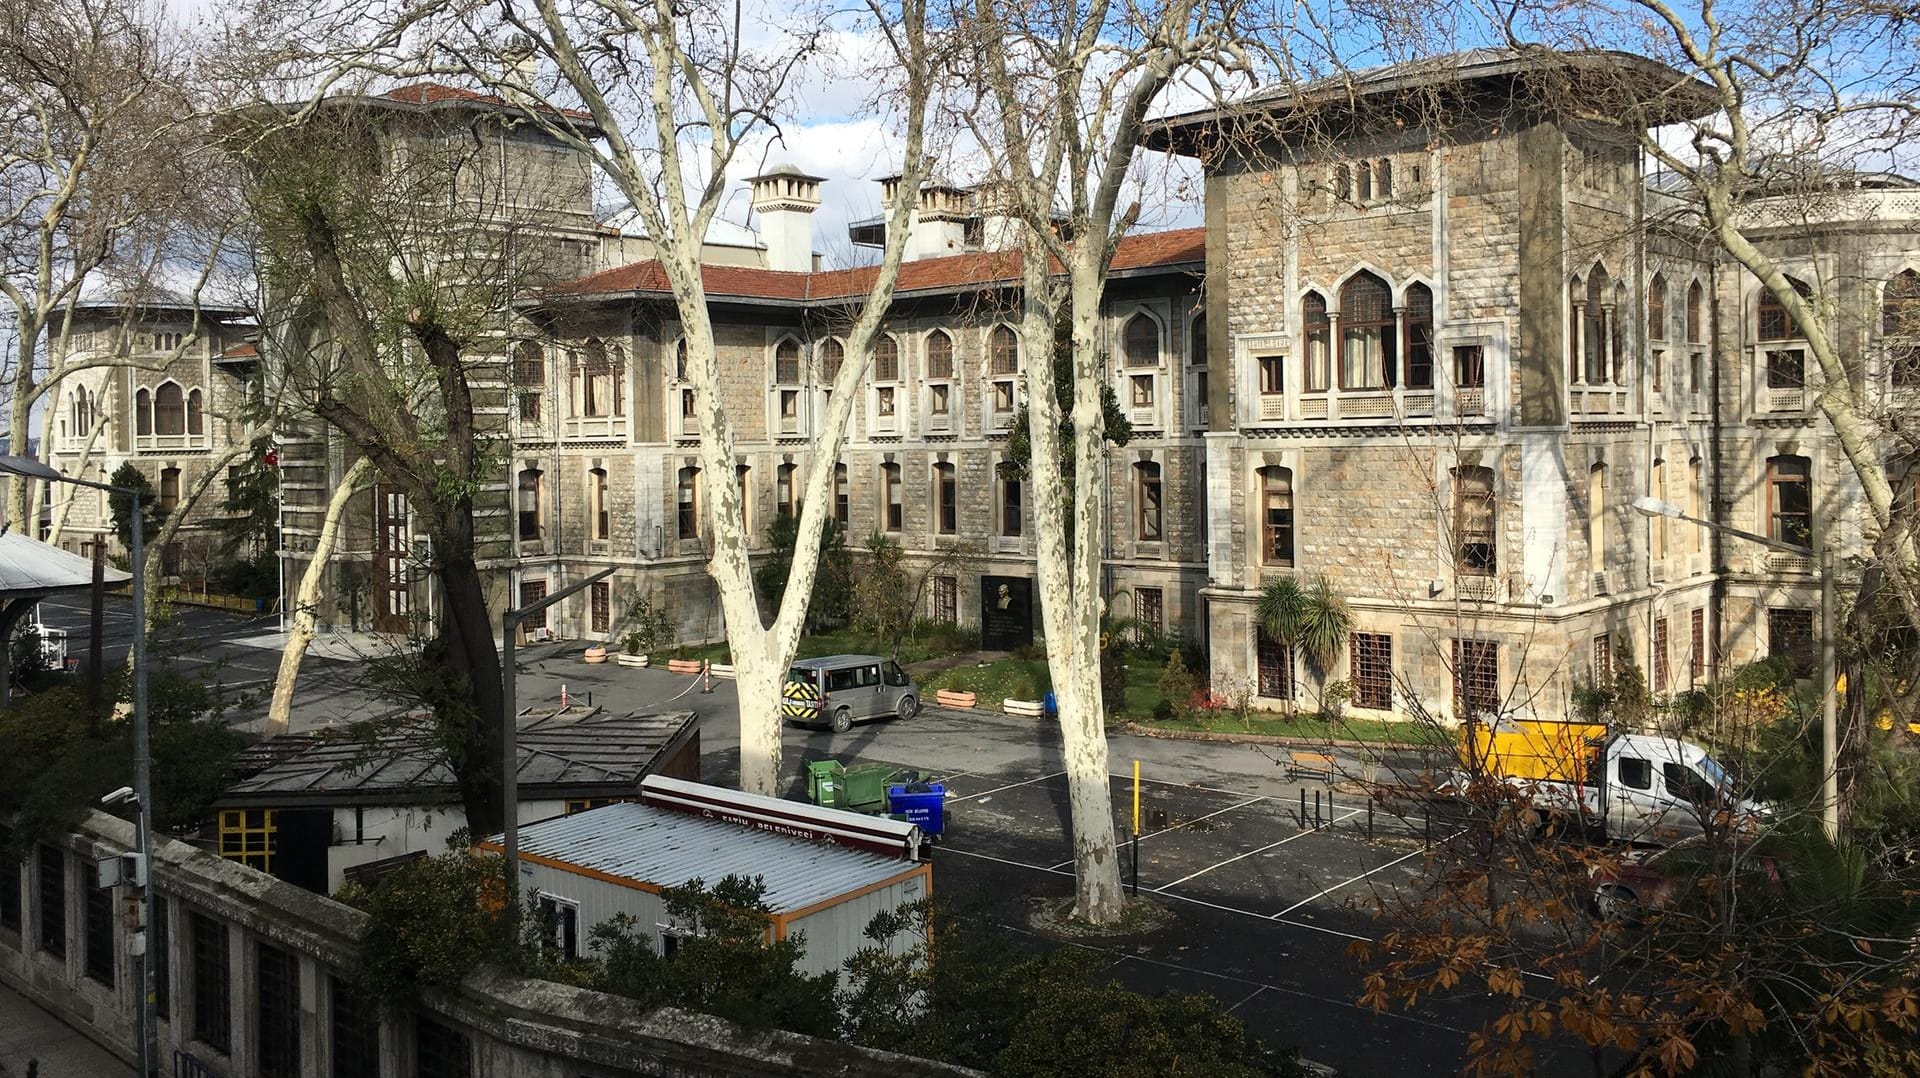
(1141, 730)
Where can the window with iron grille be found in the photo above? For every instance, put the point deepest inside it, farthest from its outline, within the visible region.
(53, 900)
(1372, 670)
(1602, 671)
(1660, 672)
(99, 927)
(600, 597)
(1697, 645)
(946, 599)
(212, 1007)
(1148, 610)
(277, 980)
(531, 592)
(1476, 678)
(439, 1051)
(1273, 662)
(1790, 637)
(355, 1030)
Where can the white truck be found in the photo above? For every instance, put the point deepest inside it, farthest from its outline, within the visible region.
(1629, 787)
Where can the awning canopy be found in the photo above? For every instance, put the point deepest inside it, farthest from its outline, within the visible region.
(31, 569)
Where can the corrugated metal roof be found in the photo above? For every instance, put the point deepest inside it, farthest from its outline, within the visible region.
(31, 567)
(667, 849)
(560, 751)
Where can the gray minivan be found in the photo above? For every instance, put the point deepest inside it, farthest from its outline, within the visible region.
(840, 690)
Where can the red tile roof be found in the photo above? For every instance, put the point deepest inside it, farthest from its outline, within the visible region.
(437, 93)
(955, 272)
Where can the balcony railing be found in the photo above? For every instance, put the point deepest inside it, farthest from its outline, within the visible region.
(1470, 400)
(594, 427)
(1787, 400)
(1599, 400)
(149, 442)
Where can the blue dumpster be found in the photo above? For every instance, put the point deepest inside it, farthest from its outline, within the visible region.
(1050, 706)
(922, 804)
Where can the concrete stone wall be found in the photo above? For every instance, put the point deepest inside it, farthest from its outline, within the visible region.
(513, 1027)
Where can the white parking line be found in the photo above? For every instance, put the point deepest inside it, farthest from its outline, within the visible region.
(1162, 889)
(1185, 823)
(1008, 786)
(1329, 890)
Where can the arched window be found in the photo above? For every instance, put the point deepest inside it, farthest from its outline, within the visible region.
(1597, 325)
(1383, 178)
(169, 410)
(1003, 351)
(619, 360)
(939, 355)
(1476, 546)
(1318, 332)
(680, 360)
(1197, 363)
(1790, 500)
(1343, 182)
(832, 355)
(1775, 323)
(886, 359)
(1900, 324)
(687, 503)
(1696, 323)
(1419, 355)
(143, 413)
(1597, 517)
(743, 485)
(786, 362)
(1657, 308)
(1276, 516)
(196, 421)
(529, 504)
(597, 509)
(1141, 341)
(1366, 333)
(596, 389)
(1147, 502)
(1576, 308)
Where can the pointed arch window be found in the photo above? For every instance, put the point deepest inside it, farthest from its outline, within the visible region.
(1141, 341)
(1318, 331)
(196, 417)
(143, 413)
(1003, 351)
(1597, 327)
(886, 359)
(1657, 308)
(1775, 324)
(1696, 323)
(169, 410)
(1419, 347)
(1366, 333)
(786, 362)
(833, 355)
(1197, 364)
(1900, 325)
(939, 355)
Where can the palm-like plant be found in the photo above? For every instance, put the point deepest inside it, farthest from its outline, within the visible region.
(1314, 618)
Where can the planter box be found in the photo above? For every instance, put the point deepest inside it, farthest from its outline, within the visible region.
(625, 659)
(684, 666)
(595, 655)
(722, 669)
(1032, 709)
(949, 698)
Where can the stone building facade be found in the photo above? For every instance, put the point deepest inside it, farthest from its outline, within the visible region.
(1459, 353)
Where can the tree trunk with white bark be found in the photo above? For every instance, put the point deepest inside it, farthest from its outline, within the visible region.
(307, 597)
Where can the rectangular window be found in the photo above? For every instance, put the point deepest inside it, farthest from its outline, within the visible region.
(600, 598)
(1602, 670)
(1011, 507)
(212, 1017)
(890, 496)
(883, 398)
(1274, 666)
(1786, 369)
(1695, 361)
(686, 404)
(1790, 500)
(529, 507)
(564, 918)
(160, 938)
(938, 399)
(1272, 375)
(1469, 367)
(1148, 610)
(1659, 369)
(687, 504)
(1003, 398)
(355, 1031)
(99, 927)
(277, 999)
(597, 506)
(1661, 674)
(1476, 678)
(1372, 670)
(789, 404)
(440, 1051)
(53, 900)
(1142, 390)
(1276, 516)
(11, 880)
(530, 407)
(1149, 502)
(1697, 645)
(946, 496)
(1790, 637)
(946, 599)
(531, 592)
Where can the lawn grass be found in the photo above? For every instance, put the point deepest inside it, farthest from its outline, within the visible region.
(925, 642)
(1029, 679)
(1306, 727)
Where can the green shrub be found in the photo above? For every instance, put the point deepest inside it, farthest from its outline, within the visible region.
(1177, 685)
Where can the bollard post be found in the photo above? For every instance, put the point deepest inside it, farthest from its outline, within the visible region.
(706, 676)
(1303, 808)
(1136, 864)
(1316, 810)
(1369, 819)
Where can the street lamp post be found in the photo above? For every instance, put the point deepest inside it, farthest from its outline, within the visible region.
(510, 729)
(1829, 717)
(144, 1019)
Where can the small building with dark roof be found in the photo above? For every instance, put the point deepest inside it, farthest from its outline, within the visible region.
(318, 810)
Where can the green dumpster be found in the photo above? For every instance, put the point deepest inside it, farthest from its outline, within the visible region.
(826, 785)
(864, 788)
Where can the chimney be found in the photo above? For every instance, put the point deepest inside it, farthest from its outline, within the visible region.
(785, 199)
